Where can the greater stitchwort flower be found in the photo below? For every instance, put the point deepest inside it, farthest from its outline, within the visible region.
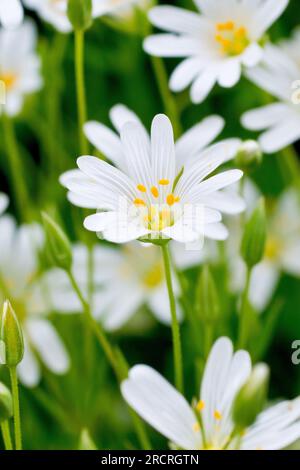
(216, 44)
(208, 424)
(153, 197)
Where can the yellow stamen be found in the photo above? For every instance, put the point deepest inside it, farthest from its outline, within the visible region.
(171, 199)
(177, 199)
(232, 39)
(217, 415)
(164, 182)
(200, 405)
(9, 80)
(154, 191)
(141, 188)
(139, 202)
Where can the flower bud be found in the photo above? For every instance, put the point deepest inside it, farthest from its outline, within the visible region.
(86, 442)
(251, 398)
(254, 238)
(80, 14)
(11, 337)
(207, 296)
(249, 155)
(57, 245)
(6, 404)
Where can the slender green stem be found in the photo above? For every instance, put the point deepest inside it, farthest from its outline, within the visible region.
(6, 435)
(243, 322)
(292, 164)
(16, 407)
(166, 95)
(114, 357)
(16, 168)
(80, 88)
(175, 324)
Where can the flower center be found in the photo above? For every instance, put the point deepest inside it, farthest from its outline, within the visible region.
(273, 248)
(9, 79)
(232, 39)
(154, 277)
(157, 205)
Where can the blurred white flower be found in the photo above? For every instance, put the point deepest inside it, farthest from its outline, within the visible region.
(279, 75)
(282, 248)
(11, 13)
(164, 408)
(55, 11)
(19, 66)
(216, 44)
(19, 282)
(3, 202)
(123, 281)
(151, 196)
(291, 46)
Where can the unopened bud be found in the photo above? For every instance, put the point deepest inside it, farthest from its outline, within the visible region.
(12, 350)
(249, 155)
(86, 442)
(6, 404)
(251, 398)
(80, 14)
(254, 238)
(57, 245)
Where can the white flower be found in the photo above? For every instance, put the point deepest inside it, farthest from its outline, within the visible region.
(278, 75)
(3, 202)
(282, 249)
(133, 276)
(20, 284)
(215, 44)
(291, 46)
(55, 11)
(11, 13)
(152, 196)
(19, 66)
(164, 408)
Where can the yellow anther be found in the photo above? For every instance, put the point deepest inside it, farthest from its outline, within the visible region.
(139, 202)
(141, 188)
(9, 80)
(233, 39)
(200, 405)
(164, 182)
(196, 427)
(154, 191)
(217, 415)
(171, 199)
(229, 26)
(177, 199)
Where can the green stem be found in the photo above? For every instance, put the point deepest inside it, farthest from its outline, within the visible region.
(175, 325)
(16, 407)
(292, 164)
(114, 357)
(80, 88)
(243, 325)
(16, 168)
(166, 95)
(6, 435)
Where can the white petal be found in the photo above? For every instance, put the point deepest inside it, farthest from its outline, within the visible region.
(214, 183)
(291, 258)
(11, 13)
(174, 19)
(216, 232)
(280, 136)
(266, 116)
(252, 55)
(3, 202)
(185, 73)
(264, 281)
(105, 140)
(197, 138)
(227, 202)
(267, 14)
(123, 307)
(120, 115)
(203, 85)
(169, 45)
(158, 403)
(137, 152)
(229, 73)
(163, 158)
(29, 369)
(48, 344)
